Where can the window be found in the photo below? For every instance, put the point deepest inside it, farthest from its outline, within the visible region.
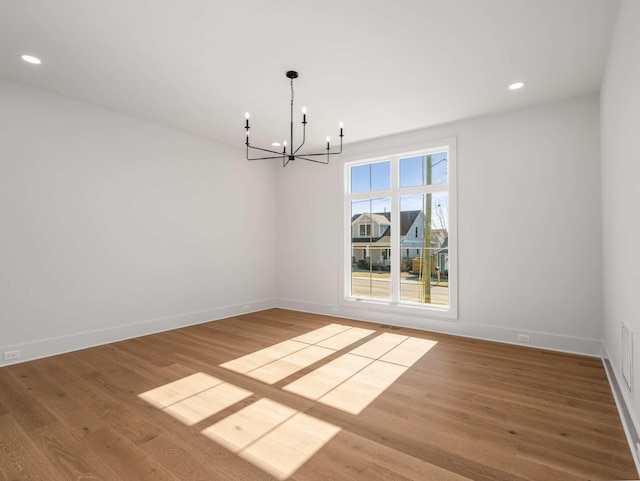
(408, 200)
(365, 230)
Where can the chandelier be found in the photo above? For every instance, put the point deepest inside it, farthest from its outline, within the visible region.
(291, 154)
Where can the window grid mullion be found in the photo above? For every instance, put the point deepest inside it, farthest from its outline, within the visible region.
(395, 232)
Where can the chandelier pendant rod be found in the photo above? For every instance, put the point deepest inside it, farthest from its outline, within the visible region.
(291, 119)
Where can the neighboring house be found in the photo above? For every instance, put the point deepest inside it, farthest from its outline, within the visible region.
(370, 225)
(442, 255)
(371, 239)
(412, 234)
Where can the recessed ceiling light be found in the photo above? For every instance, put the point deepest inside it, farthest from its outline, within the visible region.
(31, 59)
(276, 144)
(516, 85)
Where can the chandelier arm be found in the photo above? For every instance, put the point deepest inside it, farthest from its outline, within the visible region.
(323, 153)
(267, 158)
(304, 137)
(314, 155)
(266, 150)
(314, 160)
(319, 154)
(278, 154)
(339, 151)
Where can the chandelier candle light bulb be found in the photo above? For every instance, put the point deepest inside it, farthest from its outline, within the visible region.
(293, 154)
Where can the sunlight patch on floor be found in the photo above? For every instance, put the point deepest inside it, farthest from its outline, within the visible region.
(319, 382)
(354, 380)
(319, 335)
(288, 365)
(201, 406)
(262, 357)
(360, 390)
(346, 338)
(176, 391)
(281, 360)
(409, 352)
(272, 436)
(379, 346)
(195, 398)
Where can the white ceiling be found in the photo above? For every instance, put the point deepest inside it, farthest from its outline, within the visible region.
(381, 67)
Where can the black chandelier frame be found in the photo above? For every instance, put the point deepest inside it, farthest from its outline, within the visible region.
(293, 154)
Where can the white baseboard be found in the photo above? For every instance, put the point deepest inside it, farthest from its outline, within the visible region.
(623, 402)
(38, 349)
(543, 340)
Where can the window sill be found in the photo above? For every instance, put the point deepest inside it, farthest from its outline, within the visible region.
(430, 311)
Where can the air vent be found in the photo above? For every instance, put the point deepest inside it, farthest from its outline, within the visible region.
(627, 356)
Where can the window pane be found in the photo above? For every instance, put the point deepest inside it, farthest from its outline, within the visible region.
(424, 170)
(370, 248)
(424, 252)
(381, 176)
(365, 178)
(411, 172)
(439, 168)
(361, 178)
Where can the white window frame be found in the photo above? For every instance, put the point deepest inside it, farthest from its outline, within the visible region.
(394, 192)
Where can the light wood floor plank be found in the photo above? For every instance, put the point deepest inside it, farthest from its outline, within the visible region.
(20, 458)
(26, 409)
(70, 456)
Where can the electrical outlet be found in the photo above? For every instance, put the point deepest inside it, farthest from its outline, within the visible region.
(10, 355)
(524, 338)
(334, 310)
(245, 308)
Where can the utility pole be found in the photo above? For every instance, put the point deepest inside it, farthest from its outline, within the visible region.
(426, 248)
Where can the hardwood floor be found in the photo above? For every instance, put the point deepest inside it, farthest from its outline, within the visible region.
(465, 410)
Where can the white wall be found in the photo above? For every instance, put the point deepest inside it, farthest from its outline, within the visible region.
(529, 228)
(112, 227)
(620, 114)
